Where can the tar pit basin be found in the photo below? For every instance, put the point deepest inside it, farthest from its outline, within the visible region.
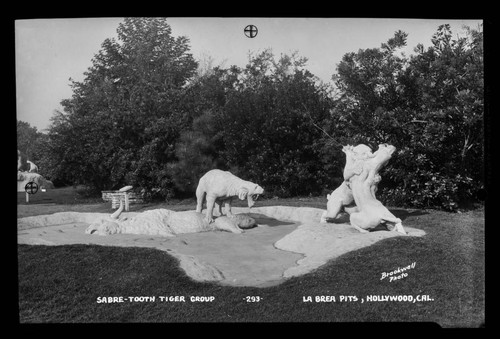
(288, 241)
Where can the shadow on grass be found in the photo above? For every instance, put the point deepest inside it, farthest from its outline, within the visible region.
(403, 214)
(62, 195)
(265, 220)
(343, 218)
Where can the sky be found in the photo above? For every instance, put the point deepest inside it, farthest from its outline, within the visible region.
(49, 52)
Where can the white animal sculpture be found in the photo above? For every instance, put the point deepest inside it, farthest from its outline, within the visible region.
(342, 196)
(33, 167)
(361, 179)
(339, 198)
(221, 187)
(167, 223)
(371, 212)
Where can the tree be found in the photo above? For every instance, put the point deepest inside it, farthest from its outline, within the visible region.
(123, 120)
(449, 77)
(198, 149)
(256, 122)
(28, 144)
(430, 106)
(266, 126)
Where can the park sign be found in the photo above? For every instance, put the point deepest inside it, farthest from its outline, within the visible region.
(30, 188)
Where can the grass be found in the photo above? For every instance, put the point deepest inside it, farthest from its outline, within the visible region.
(60, 284)
(63, 195)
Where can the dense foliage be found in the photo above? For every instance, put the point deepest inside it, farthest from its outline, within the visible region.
(31, 145)
(146, 116)
(430, 106)
(257, 126)
(122, 123)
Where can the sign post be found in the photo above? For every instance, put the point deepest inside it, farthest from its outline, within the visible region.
(30, 188)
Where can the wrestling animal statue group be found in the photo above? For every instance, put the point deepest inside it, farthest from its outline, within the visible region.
(356, 194)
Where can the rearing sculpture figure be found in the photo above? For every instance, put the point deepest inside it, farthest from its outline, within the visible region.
(361, 179)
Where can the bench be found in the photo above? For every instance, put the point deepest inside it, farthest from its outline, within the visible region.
(122, 194)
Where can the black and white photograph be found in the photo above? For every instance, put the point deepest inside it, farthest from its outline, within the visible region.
(251, 170)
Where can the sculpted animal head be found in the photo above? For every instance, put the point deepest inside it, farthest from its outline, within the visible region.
(386, 148)
(251, 193)
(355, 158)
(362, 151)
(257, 190)
(384, 153)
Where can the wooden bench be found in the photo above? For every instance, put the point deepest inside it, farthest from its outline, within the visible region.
(126, 195)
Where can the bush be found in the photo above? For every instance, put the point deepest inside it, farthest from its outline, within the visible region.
(429, 106)
(426, 189)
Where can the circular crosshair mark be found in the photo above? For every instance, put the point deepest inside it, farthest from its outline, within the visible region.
(251, 31)
(31, 187)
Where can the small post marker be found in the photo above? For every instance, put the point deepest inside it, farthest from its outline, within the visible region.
(126, 201)
(126, 192)
(30, 188)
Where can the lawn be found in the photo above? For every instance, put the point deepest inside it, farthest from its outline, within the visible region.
(63, 284)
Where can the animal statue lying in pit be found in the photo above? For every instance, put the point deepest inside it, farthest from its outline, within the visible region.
(220, 187)
(356, 195)
(167, 223)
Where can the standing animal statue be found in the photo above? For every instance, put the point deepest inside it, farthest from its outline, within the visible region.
(219, 187)
(33, 167)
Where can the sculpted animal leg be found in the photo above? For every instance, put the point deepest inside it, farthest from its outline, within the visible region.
(356, 220)
(210, 208)
(219, 206)
(399, 228)
(200, 196)
(323, 217)
(351, 210)
(393, 220)
(332, 212)
(395, 224)
(228, 207)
